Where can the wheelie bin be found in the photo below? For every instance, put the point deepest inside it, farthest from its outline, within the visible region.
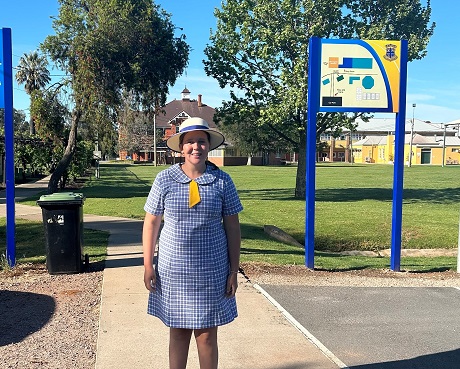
(63, 222)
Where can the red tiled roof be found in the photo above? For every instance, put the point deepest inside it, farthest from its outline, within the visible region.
(174, 109)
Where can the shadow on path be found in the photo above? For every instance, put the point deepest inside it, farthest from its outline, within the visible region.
(441, 360)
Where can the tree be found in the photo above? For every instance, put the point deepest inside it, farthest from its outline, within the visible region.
(49, 114)
(260, 48)
(19, 121)
(107, 47)
(33, 72)
(236, 120)
(20, 127)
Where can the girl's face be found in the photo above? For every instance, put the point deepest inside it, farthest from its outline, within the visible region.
(195, 147)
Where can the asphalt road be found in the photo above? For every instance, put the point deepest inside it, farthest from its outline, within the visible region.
(379, 328)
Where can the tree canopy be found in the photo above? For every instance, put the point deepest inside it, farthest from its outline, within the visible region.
(108, 47)
(260, 50)
(34, 74)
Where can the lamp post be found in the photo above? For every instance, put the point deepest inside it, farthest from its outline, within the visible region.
(411, 134)
(444, 146)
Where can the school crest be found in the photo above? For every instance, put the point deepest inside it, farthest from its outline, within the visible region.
(390, 54)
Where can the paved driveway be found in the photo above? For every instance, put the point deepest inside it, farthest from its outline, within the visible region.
(380, 328)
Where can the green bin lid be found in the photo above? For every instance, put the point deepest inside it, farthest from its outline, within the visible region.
(62, 196)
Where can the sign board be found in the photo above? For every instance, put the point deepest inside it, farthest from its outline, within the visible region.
(358, 75)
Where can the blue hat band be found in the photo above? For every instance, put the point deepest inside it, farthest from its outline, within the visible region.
(191, 128)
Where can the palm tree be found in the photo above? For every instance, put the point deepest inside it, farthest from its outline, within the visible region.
(33, 71)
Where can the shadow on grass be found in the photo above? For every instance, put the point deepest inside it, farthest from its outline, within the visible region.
(249, 251)
(31, 244)
(438, 196)
(268, 194)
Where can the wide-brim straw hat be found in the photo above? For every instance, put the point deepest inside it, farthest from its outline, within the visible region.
(195, 124)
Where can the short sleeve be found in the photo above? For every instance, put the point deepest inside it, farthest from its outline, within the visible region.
(155, 200)
(232, 204)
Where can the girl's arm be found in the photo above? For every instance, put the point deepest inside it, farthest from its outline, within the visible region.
(149, 238)
(232, 229)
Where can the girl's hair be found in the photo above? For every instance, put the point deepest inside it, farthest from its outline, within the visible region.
(181, 137)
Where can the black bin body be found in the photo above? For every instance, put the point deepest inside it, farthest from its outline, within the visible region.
(63, 221)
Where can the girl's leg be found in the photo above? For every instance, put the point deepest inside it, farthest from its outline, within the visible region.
(206, 342)
(179, 343)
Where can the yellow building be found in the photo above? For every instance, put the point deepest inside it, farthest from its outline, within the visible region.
(373, 142)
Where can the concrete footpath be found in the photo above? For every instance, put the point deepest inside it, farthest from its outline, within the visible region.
(260, 338)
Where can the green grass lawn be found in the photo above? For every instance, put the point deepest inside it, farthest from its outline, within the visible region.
(30, 243)
(353, 210)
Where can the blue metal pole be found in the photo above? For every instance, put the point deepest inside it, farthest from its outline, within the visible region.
(314, 71)
(396, 228)
(7, 88)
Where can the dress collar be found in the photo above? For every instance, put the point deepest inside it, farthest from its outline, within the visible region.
(179, 176)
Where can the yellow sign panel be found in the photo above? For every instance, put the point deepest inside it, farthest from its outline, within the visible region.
(359, 75)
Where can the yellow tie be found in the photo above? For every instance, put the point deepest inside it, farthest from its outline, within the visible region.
(194, 194)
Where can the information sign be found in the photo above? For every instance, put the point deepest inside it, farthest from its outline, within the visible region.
(358, 75)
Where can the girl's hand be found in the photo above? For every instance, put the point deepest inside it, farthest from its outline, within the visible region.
(232, 284)
(150, 279)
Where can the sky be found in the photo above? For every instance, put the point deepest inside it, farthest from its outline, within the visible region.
(432, 84)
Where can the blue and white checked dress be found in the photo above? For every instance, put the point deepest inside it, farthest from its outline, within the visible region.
(193, 262)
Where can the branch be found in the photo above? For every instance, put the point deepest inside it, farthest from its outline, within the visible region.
(281, 134)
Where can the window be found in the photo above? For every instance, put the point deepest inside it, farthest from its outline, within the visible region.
(216, 153)
(357, 153)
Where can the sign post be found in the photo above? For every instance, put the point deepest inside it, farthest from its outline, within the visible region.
(357, 76)
(313, 104)
(6, 102)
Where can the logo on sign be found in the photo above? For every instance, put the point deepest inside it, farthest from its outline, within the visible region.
(390, 54)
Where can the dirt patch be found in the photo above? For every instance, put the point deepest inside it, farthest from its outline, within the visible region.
(300, 275)
(49, 321)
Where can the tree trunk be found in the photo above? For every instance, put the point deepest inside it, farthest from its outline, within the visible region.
(300, 183)
(31, 126)
(68, 154)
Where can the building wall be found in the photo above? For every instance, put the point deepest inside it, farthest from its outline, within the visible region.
(452, 156)
(375, 154)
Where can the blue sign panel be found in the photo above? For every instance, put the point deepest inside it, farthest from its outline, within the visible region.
(2, 79)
